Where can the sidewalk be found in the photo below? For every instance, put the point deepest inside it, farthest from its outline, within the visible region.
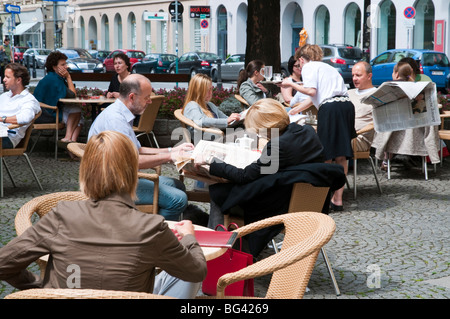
(400, 237)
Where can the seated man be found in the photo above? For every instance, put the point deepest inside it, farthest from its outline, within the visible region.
(135, 93)
(18, 106)
(362, 79)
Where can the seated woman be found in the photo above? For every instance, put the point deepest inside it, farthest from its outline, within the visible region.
(57, 84)
(113, 244)
(198, 106)
(289, 144)
(249, 84)
(122, 66)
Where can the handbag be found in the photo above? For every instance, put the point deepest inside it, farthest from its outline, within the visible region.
(232, 260)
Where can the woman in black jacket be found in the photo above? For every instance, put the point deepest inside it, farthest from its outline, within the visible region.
(289, 144)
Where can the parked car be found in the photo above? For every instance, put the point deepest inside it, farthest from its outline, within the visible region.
(134, 55)
(432, 63)
(79, 60)
(154, 63)
(342, 58)
(99, 55)
(18, 54)
(229, 69)
(195, 62)
(39, 54)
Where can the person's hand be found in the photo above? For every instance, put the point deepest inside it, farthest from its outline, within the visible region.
(294, 111)
(233, 117)
(287, 83)
(184, 228)
(185, 147)
(112, 95)
(62, 71)
(262, 87)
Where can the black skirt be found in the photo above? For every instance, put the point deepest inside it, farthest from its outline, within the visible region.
(336, 128)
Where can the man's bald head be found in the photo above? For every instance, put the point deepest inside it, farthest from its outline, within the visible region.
(133, 84)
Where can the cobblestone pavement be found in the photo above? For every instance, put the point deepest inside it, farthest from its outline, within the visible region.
(385, 247)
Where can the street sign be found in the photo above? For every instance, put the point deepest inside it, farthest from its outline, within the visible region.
(204, 24)
(159, 16)
(173, 8)
(12, 8)
(409, 12)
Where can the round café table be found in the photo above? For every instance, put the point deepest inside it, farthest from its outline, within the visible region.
(209, 252)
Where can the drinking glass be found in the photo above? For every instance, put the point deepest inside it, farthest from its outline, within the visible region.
(268, 72)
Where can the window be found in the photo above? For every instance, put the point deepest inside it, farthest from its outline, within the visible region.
(384, 58)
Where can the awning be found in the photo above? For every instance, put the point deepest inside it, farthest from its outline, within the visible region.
(24, 27)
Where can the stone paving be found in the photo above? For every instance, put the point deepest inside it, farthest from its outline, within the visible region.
(389, 246)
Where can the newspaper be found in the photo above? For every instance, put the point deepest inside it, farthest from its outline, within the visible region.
(3, 130)
(228, 153)
(404, 105)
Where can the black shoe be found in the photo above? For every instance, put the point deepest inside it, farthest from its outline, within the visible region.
(336, 208)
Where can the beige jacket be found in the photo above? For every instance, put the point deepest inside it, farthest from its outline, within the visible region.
(106, 244)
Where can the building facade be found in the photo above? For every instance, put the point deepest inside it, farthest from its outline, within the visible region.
(220, 26)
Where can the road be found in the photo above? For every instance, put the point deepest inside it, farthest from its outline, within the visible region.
(104, 85)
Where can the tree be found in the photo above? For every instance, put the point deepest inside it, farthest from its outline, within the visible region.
(263, 32)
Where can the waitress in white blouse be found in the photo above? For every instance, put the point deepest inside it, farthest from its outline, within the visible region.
(336, 113)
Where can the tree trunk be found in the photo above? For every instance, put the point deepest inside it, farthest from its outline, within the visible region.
(263, 33)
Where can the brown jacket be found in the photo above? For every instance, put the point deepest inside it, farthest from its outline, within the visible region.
(106, 244)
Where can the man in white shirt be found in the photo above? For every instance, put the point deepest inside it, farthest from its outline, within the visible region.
(18, 106)
(362, 79)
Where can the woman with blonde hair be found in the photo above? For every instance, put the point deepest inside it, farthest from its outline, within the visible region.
(336, 113)
(199, 108)
(116, 246)
(289, 144)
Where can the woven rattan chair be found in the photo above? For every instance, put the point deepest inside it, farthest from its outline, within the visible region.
(147, 119)
(363, 155)
(306, 234)
(19, 150)
(47, 293)
(41, 206)
(304, 198)
(244, 103)
(185, 122)
(78, 150)
(56, 126)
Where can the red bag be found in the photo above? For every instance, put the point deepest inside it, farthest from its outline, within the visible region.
(232, 260)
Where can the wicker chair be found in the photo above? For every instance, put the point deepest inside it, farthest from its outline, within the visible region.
(363, 155)
(185, 122)
(48, 293)
(78, 150)
(19, 150)
(306, 234)
(41, 206)
(147, 119)
(56, 126)
(304, 198)
(244, 103)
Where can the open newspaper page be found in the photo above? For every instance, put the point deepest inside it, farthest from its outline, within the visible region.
(228, 153)
(3, 130)
(404, 105)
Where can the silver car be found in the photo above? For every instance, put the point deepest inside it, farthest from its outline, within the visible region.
(39, 54)
(230, 68)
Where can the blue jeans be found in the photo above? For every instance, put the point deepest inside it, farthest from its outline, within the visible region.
(172, 197)
(6, 143)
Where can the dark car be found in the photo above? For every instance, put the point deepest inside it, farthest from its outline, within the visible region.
(432, 63)
(229, 69)
(80, 61)
(154, 63)
(40, 55)
(18, 54)
(195, 62)
(342, 58)
(99, 55)
(134, 55)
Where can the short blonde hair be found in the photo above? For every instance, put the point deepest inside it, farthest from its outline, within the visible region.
(265, 115)
(309, 52)
(109, 166)
(197, 91)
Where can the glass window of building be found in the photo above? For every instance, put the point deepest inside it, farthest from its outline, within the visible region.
(322, 23)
